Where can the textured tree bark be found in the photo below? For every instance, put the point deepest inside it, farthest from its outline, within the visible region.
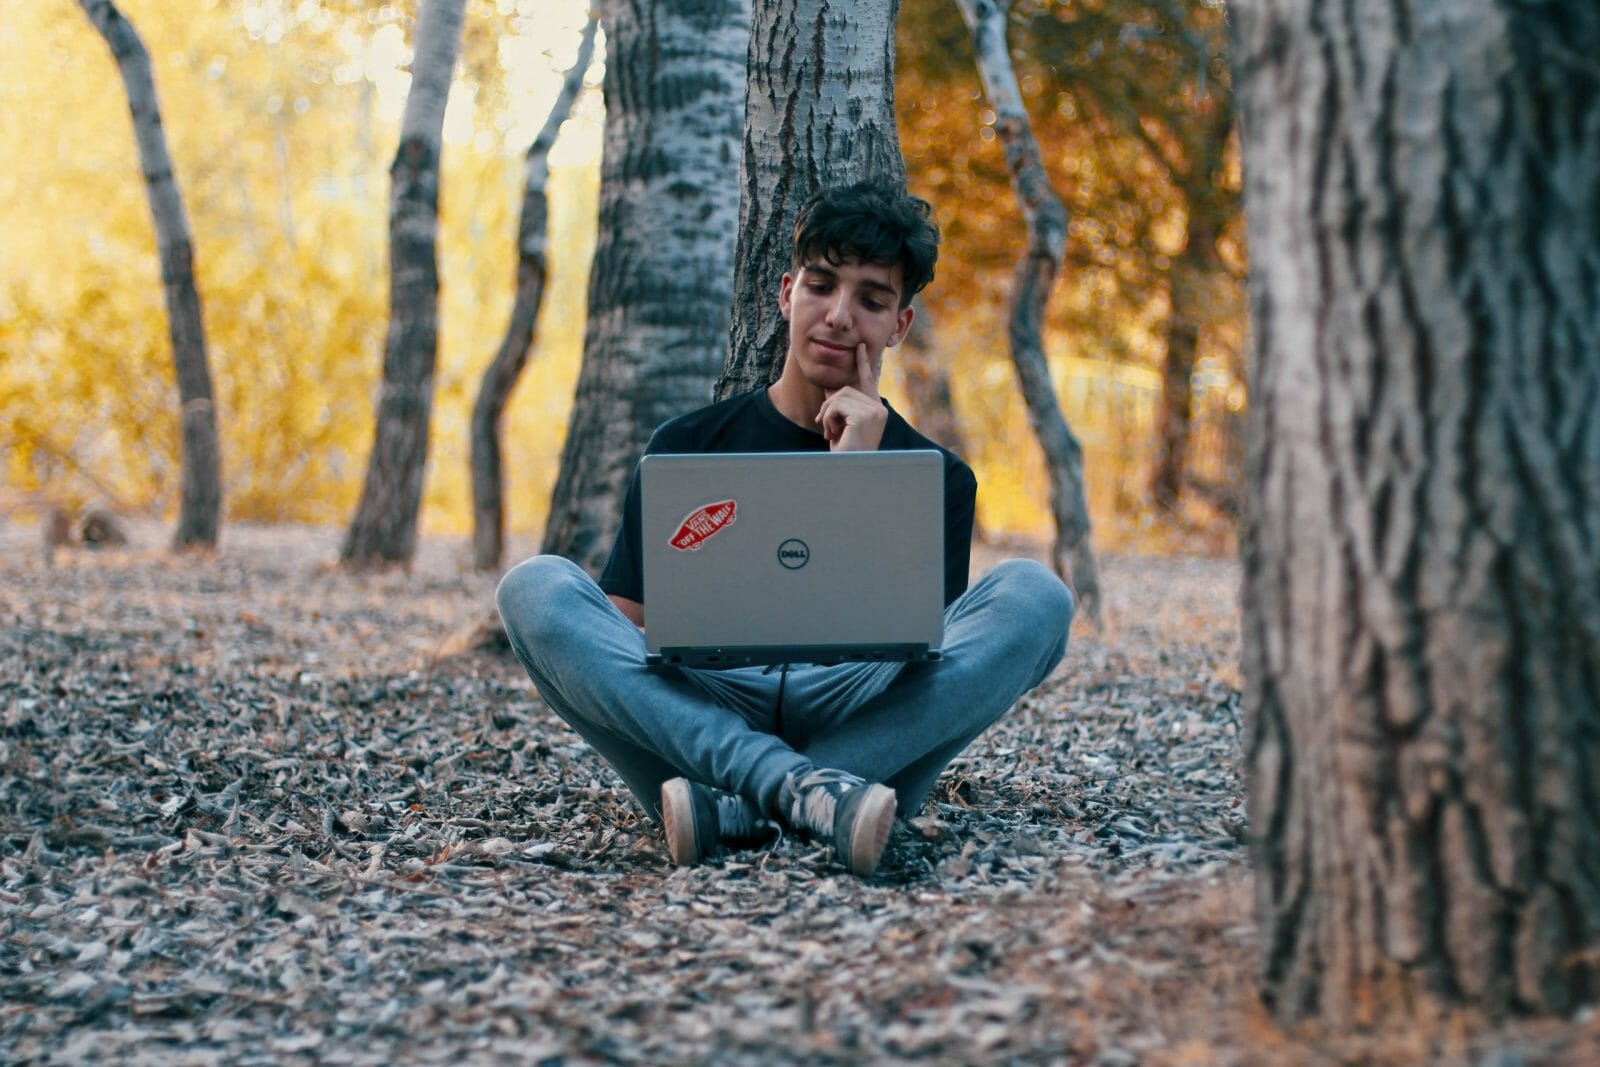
(488, 482)
(1046, 218)
(1422, 555)
(660, 286)
(819, 112)
(200, 496)
(384, 529)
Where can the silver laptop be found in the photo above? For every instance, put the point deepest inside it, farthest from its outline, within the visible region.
(792, 557)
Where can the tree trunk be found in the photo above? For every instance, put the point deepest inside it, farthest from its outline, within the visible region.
(1422, 554)
(661, 282)
(927, 378)
(1046, 219)
(1191, 286)
(384, 529)
(1175, 413)
(927, 382)
(200, 498)
(819, 112)
(488, 508)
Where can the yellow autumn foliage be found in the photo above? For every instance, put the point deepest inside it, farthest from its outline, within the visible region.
(282, 159)
(281, 118)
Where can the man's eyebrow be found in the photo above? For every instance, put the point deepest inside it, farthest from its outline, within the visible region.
(865, 283)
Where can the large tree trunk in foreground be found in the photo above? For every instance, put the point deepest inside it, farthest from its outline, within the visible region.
(384, 529)
(1422, 557)
(1072, 555)
(488, 482)
(819, 112)
(661, 282)
(200, 499)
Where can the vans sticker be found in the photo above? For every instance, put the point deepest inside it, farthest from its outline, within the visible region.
(701, 524)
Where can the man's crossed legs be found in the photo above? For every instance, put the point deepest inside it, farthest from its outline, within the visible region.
(722, 751)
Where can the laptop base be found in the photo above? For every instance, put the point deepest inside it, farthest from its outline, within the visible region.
(765, 655)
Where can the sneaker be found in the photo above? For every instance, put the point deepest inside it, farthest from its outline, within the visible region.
(699, 819)
(850, 813)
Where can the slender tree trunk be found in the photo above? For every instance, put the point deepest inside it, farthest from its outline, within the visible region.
(200, 498)
(1191, 283)
(819, 112)
(1175, 413)
(1072, 555)
(488, 508)
(384, 529)
(927, 381)
(1422, 555)
(927, 378)
(661, 282)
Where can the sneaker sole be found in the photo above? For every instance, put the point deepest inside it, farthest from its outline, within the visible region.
(677, 819)
(874, 819)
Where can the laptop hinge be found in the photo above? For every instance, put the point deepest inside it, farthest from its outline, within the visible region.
(764, 655)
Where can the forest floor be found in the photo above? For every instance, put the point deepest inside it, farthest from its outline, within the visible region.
(254, 810)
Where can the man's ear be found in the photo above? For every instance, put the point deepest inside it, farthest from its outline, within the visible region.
(786, 294)
(902, 325)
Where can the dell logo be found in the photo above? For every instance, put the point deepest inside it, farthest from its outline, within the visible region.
(794, 554)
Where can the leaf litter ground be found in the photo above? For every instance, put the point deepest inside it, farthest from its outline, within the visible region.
(251, 812)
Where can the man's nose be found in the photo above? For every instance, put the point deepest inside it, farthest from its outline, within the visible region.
(839, 310)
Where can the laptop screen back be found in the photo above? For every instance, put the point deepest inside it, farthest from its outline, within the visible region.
(792, 557)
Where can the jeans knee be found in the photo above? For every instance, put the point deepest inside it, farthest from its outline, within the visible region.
(532, 594)
(1035, 594)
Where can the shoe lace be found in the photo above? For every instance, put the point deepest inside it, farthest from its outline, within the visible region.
(815, 796)
(738, 819)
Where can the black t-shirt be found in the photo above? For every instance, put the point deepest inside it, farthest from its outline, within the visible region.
(749, 423)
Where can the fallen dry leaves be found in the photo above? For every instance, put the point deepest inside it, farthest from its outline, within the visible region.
(250, 814)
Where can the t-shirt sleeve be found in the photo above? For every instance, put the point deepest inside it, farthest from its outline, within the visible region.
(623, 575)
(960, 509)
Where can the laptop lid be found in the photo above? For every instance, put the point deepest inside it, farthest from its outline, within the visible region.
(792, 557)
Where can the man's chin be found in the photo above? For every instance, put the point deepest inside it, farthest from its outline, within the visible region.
(830, 379)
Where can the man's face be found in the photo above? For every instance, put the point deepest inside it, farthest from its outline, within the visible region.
(832, 309)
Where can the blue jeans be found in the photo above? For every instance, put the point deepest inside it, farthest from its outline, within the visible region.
(894, 723)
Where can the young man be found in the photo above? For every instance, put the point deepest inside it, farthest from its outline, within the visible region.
(830, 751)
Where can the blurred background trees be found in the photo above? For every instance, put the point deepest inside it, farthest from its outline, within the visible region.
(283, 116)
(533, 240)
(200, 476)
(384, 529)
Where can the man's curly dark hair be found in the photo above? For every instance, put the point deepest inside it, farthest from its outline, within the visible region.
(872, 221)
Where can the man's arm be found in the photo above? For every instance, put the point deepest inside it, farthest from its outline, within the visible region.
(631, 608)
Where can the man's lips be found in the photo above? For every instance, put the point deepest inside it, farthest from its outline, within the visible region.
(832, 347)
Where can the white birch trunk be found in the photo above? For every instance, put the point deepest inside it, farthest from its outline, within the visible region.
(819, 112)
(660, 286)
(200, 496)
(1046, 218)
(1422, 557)
(384, 529)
